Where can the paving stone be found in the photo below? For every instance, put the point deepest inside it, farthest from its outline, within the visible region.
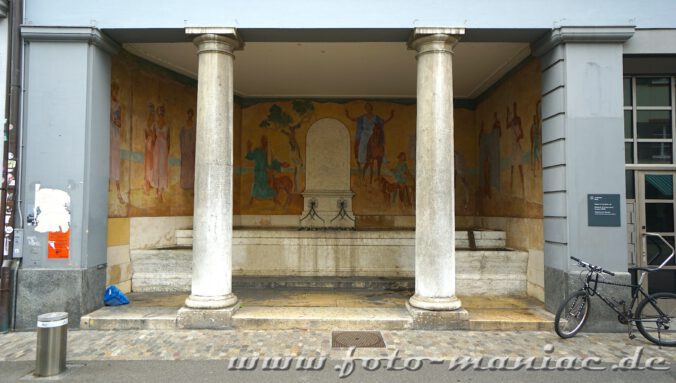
(86, 345)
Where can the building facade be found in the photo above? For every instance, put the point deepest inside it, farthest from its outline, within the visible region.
(388, 132)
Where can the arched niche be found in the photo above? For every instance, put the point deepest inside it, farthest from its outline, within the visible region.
(327, 196)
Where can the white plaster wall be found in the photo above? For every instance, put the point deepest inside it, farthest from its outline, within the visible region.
(652, 41)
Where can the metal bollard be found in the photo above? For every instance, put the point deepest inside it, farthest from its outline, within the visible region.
(52, 338)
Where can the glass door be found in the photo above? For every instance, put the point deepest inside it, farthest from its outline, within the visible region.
(656, 215)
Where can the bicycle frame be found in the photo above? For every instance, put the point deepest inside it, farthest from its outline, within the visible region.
(592, 281)
(591, 288)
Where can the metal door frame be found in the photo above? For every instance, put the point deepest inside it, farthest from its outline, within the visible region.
(641, 201)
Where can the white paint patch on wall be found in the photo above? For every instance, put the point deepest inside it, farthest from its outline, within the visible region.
(52, 210)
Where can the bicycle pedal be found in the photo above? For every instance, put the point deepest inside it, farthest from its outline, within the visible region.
(632, 336)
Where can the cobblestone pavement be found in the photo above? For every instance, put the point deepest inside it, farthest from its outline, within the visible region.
(224, 345)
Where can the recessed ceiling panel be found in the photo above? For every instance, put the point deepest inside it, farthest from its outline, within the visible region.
(341, 69)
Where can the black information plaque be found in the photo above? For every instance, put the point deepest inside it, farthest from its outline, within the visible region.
(603, 209)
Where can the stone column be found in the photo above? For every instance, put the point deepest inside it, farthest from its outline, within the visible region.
(212, 217)
(435, 210)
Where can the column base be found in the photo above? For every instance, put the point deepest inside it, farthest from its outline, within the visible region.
(211, 303)
(457, 319)
(435, 304)
(213, 319)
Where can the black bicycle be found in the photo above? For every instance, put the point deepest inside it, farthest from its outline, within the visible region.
(655, 315)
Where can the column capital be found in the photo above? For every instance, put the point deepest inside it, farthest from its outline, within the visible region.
(210, 39)
(435, 39)
(563, 35)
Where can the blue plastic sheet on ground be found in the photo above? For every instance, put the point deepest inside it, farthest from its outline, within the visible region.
(114, 297)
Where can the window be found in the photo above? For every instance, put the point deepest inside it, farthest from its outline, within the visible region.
(648, 120)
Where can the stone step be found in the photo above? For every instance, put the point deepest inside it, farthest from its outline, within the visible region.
(184, 237)
(130, 317)
(158, 260)
(491, 272)
(321, 318)
(315, 318)
(328, 283)
(349, 309)
(496, 313)
(161, 270)
(528, 319)
(483, 239)
(482, 272)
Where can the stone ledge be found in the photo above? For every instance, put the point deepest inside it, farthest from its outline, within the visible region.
(569, 34)
(438, 320)
(206, 319)
(90, 35)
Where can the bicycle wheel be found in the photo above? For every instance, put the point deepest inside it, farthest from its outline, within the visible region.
(658, 325)
(572, 314)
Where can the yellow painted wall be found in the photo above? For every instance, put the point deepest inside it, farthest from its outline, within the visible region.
(118, 231)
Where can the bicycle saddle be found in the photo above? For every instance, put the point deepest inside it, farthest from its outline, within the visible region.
(648, 269)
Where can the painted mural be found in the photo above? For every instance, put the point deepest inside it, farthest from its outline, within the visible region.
(152, 140)
(152, 149)
(509, 139)
(271, 164)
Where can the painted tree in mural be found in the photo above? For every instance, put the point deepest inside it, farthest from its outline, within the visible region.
(281, 121)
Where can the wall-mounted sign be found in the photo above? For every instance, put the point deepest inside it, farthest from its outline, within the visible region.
(58, 244)
(603, 210)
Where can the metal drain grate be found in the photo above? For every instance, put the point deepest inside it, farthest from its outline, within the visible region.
(345, 339)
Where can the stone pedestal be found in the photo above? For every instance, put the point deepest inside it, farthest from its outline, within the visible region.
(438, 320)
(435, 218)
(327, 196)
(212, 220)
(214, 319)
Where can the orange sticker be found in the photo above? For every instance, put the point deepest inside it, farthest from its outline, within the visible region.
(58, 244)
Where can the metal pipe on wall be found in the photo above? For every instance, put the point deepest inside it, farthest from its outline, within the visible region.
(12, 304)
(10, 179)
(5, 295)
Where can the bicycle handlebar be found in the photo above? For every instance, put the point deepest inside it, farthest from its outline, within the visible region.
(592, 267)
